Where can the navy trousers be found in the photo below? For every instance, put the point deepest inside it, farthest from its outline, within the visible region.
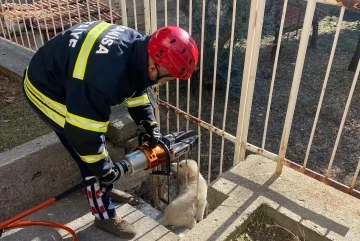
(101, 204)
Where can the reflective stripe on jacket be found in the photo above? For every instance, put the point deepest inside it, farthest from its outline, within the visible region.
(75, 78)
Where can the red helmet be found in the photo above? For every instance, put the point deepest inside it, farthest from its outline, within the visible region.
(173, 48)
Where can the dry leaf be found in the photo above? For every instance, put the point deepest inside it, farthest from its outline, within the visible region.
(10, 99)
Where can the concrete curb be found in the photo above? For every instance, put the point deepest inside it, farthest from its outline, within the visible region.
(13, 59)
(34, 172)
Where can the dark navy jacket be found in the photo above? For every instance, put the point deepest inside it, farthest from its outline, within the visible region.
(74, 79)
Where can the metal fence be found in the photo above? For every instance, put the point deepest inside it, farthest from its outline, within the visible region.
(30, 25)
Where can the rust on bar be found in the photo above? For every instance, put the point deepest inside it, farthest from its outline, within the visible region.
(317, 176)
(349, 3)
(184, 114)
(197, 121)
(259, 150)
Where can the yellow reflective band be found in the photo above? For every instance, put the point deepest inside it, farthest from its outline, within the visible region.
(94, 158)
(137, 101)
(54, 116)
(60, 108)
(86, 124)
(82, 59)
(152, 123)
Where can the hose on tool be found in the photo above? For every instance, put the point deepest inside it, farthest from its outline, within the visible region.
(14, 223)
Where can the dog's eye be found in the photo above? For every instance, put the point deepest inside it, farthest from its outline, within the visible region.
(180, 165)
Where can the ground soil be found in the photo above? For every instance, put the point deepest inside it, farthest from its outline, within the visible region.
(18, 123)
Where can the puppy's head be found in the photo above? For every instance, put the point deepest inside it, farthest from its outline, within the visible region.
(186, 168)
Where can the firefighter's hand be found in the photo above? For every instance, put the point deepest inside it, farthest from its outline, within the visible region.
(112, 176)
(154, 132)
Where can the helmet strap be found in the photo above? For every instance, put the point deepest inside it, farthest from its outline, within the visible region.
(158, 77)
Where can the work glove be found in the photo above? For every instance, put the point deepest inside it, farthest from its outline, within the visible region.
(154, 132)
(110, 177)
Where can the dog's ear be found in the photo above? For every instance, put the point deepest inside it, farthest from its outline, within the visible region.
(191, 169)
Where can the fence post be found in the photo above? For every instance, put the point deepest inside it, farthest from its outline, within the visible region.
(247, 89)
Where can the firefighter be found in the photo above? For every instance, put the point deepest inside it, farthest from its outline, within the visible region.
(75, 78)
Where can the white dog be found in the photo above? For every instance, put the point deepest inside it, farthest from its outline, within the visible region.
(189, 206)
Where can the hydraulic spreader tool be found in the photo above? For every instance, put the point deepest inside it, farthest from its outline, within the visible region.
(169, 149)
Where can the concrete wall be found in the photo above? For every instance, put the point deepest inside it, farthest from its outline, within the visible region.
(34, 172)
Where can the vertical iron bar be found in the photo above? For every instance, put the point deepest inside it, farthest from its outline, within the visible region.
(26, 32)
(20, 32)
(214, 85)
(305, 33)
(228, 84)
(348, 102)
(123, 13)
(189, 80)
(135, 16)
(332, 53)
(177, 80)
(283, 14)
